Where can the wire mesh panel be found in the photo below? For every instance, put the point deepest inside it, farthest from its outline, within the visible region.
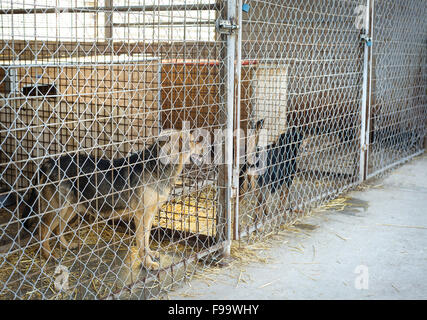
(103, 106)
(399, 80)
(301, 123)
(116, 118)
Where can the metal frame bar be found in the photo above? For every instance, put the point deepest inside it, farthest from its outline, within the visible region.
(181, 23)
(173, 7)
(229, 145)
(108, 21)
(237, 137)
(369, 106)
(366, 101)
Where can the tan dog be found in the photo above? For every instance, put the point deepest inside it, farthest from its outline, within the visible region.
(135, 186)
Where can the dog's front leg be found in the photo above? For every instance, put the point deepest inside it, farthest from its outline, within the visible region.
(143, 230)
(64, 219)
(150, 215)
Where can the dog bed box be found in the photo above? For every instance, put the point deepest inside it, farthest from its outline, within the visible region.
(102, 105)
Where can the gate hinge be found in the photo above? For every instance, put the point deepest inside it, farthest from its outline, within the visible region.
(226, 26)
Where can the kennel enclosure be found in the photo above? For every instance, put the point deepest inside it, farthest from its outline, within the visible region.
(106, 77)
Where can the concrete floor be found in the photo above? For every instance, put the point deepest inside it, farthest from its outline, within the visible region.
(376, 248)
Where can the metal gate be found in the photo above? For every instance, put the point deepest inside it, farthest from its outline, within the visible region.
(140, 137)
(334, 93)
(303, 113)
(397, 119)
(89, 91)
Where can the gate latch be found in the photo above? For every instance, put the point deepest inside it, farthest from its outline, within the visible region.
(367, 39)
(226, 26)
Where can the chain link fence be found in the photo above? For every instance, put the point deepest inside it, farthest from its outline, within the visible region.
(138, 138)
(397, 122)
(89, 90)
(304, 109)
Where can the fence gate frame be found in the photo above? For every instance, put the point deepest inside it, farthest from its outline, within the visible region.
(373, 37)
(229, 44)
(367, 37)
(366, 95)
(225, 29)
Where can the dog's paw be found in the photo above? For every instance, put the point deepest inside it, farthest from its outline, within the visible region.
(53, 256)
(152, 265)
(154, 254)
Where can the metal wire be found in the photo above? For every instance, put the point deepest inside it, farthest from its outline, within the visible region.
(398, 111)
(307, 78)
(90, 89)
(77, 81)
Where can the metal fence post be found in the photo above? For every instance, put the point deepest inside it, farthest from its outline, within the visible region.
(231, 50)
(237, 137)
(226, 27)
(366, 101)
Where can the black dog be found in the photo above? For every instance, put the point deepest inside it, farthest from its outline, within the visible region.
(275, 166)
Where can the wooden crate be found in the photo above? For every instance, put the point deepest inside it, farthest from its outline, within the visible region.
(190, 91)
(105, 106)
(269, 99)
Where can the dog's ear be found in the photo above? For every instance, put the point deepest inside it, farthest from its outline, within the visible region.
(259, 124)
(195, 136)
